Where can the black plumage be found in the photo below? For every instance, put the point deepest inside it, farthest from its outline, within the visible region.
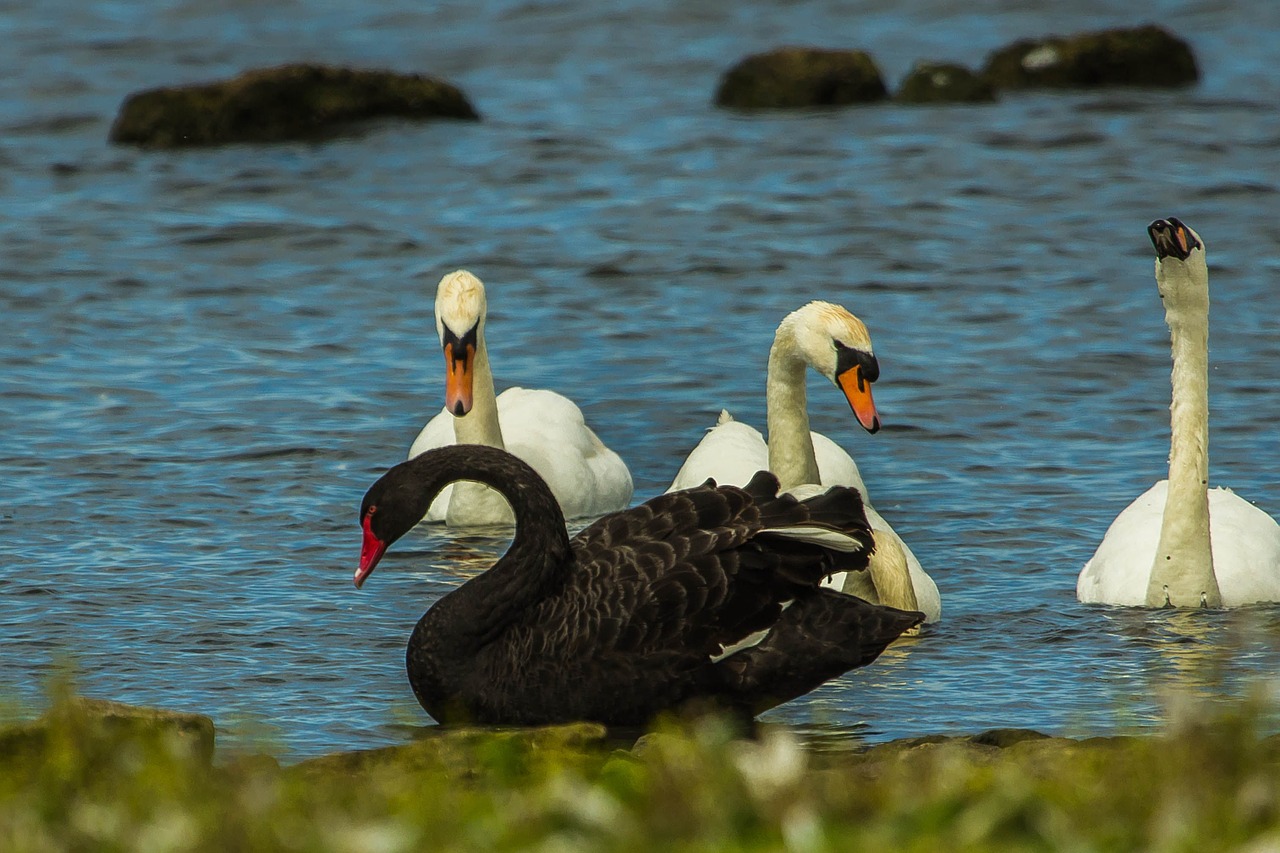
(631, 617)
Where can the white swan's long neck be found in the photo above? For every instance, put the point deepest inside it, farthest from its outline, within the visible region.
(791, 454)
(480, 425)
(1183, 574)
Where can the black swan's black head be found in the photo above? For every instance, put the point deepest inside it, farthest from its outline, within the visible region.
(402, 496)
(390, 509)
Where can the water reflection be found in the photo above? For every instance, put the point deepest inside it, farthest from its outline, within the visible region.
(1196, 658)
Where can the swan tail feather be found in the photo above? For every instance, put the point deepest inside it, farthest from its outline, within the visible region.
(817, 638)
(827, 533)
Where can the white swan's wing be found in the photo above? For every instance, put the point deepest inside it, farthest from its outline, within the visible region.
(928, 599)
(1245, 542)
(1246, 549)
(1118, 572)
(437, 433)
(835, 466)
(730, 453)
(547, 430)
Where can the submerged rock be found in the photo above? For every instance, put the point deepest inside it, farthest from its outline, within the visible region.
(1140, 56)
(940, 82)
(288, 102)
(794, 77)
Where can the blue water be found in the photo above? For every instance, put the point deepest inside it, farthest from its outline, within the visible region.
(209, 355)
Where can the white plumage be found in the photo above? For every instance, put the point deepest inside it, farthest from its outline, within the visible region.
(834, 343)
(543, 428)
(1181, 543)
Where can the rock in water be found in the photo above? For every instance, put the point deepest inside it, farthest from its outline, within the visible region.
(1140, 56)
(941, 83)
(288, 102)
(796, 77)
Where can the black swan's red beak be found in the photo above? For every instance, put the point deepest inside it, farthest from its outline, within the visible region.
(371, 552)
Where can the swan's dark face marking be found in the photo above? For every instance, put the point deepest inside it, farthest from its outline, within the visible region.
(459, 365)
(847, 356)
(1172, 239)
(856, 369)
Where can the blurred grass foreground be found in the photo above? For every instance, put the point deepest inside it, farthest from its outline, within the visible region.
(95, 775)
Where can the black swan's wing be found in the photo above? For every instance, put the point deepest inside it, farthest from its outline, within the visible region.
(700, 569)
(660, 591)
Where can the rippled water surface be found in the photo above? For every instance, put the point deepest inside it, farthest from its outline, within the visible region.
(209, 355)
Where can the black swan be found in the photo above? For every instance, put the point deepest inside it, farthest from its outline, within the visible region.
(639, 612)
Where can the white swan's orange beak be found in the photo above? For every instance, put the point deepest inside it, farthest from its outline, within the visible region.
(371, 551)
(857, 390)
(459, 363)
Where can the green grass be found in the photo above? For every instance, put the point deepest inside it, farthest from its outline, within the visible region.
(94, 778)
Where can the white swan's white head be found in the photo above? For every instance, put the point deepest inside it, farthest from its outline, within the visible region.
(837, 345)
(1182, 273)
(460, 303)
(460, 314)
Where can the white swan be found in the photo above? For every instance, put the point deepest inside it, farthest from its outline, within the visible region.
(543, 428)
(1182, 544)
(837, 345)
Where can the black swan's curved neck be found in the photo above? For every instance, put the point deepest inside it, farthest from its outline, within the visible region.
(536, 562)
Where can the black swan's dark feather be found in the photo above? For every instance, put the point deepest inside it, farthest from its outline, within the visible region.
(633, 615)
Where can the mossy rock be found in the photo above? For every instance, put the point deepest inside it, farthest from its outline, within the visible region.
(982, 750)
(288, 102)
(797, 77)
(941, 83)
(88, 724)
(19, 740)
(1141, 56)
(1005, 738)
(458, 749)
(978, 745)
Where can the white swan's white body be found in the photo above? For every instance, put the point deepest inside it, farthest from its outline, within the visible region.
(543, 428)
(1245, 542)
(1182, 544)
(804, 461)
(546, 430)
(732, 452)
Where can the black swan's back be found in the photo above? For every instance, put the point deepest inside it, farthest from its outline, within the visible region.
(634, 615)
